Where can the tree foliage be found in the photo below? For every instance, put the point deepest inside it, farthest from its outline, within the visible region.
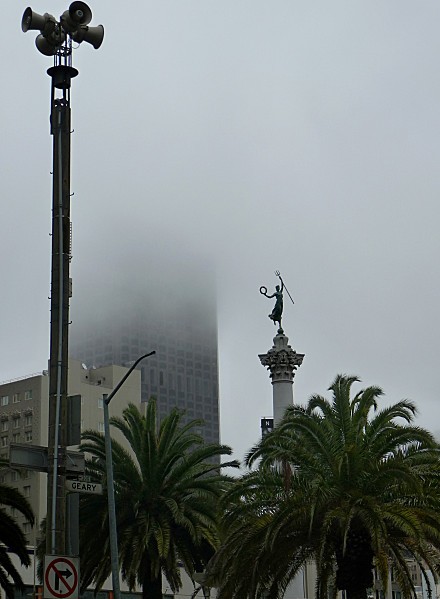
(12, 539)
(338, 482)
(167, 491)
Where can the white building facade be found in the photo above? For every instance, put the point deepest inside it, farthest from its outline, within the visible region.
(24, 419)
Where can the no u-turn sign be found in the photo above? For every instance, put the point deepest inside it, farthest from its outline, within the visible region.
(61, 577)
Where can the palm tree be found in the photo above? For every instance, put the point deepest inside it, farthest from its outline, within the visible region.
(167, 491)
(340, 483)
(12, 539)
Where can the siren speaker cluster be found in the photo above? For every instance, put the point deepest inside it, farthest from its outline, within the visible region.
(73, 22)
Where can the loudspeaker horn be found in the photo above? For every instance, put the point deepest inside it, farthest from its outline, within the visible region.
(80, 13)
(91, 35)
(67, 23)
(44, 47)
(32, 20)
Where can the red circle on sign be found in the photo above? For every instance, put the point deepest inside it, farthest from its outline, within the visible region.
(70, 589)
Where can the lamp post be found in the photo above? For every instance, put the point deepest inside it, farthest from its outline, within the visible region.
(110, 483)
(55, 39)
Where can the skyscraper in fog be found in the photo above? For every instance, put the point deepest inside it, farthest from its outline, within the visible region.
(173, 315)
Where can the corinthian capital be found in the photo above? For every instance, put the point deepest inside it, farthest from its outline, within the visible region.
(281, 360)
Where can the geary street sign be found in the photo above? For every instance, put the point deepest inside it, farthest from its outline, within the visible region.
(80, 486)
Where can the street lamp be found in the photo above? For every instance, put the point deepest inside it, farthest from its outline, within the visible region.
(55, 39)
(110, 483)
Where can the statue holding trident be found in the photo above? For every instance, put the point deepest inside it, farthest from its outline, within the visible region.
(277, 311)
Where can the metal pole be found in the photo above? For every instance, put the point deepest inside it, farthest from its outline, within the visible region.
(55, 39)
(114, 554)
(61, 75)
(111, 503)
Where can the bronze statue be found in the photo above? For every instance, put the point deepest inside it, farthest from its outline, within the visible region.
(277, 311)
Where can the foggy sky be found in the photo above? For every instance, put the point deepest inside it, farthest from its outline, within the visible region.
(252, 135)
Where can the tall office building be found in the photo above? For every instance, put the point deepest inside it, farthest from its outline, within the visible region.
(172, 314)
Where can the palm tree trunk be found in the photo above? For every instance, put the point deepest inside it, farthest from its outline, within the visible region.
(355, 566)
(356, 594)
(152, 588)
(151, 585)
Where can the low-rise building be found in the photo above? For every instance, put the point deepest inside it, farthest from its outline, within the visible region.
(24, 405)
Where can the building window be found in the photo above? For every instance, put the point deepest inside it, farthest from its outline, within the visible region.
(2, 478)
(27, 491)
(16, 438)
(16, 398)
(28, 420)
(5, 400)
(14, 476)
(100, 403)
(28, 436)
(28, 394)
(101, 427)
(5, 425)
(4, 442)
(16, 422)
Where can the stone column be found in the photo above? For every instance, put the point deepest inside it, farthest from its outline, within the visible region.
(282, 361)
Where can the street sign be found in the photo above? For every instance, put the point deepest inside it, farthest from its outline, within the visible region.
(73, 432)
(32, 457)
(35, 457)
(75, 462)
(79, 486)
(266, 426)
(61, 577)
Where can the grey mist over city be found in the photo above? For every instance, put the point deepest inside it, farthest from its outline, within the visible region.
(216, 142)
